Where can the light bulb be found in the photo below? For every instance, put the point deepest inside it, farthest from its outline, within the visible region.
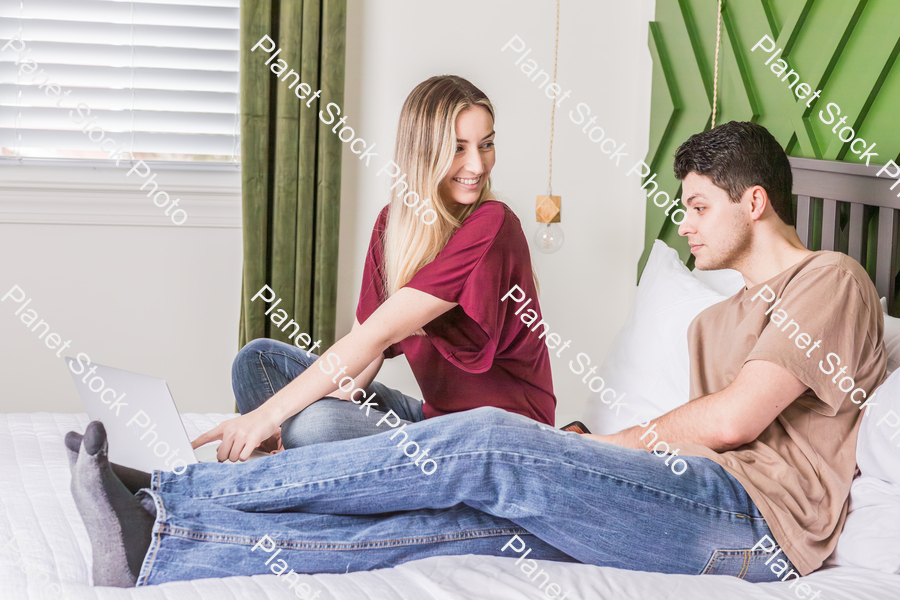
(548, 238)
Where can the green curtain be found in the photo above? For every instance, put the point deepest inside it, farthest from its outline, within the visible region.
(291, 171)
(847, 48)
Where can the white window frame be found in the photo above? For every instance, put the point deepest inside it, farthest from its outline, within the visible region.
(95, 194)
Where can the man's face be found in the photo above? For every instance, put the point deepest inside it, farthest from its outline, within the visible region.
(717, 229)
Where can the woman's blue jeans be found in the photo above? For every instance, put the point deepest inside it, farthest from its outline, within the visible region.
(264, 366)
(363, 504)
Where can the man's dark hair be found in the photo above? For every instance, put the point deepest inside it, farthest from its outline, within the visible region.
(736, 156)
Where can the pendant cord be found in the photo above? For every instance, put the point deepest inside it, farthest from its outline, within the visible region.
(553, 105)
(716, 75)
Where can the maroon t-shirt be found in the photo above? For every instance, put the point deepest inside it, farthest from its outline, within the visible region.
(479, 353)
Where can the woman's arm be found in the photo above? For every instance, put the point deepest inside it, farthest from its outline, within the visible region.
(364, 379)
(396, 319)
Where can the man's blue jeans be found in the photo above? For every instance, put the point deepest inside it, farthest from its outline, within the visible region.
(362, 504)
(264, 366)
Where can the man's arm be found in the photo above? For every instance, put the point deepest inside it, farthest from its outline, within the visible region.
(726, 419)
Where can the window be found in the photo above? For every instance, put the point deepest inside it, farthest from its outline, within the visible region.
(153, 78)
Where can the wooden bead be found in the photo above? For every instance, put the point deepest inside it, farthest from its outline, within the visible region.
(547, 209)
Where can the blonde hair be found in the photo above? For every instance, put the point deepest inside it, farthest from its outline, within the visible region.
(426, 146)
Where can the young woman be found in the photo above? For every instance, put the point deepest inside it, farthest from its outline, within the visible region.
(432, 289)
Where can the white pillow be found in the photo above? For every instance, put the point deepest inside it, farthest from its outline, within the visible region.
(648, 360)
(876, 453)
(871, 536)
(872, 530)
(891, 339)
(727, 282)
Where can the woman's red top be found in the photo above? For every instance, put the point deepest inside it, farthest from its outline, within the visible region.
(479, 353)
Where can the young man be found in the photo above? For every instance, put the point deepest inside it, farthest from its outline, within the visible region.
(769, 437)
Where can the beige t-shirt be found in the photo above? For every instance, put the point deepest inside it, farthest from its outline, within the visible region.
(799, 470)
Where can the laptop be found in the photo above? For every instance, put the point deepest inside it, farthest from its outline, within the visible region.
(142, 423)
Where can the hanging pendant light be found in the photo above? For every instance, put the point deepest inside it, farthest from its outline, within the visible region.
(548, 237)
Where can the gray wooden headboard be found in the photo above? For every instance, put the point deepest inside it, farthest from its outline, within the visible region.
(844, 207)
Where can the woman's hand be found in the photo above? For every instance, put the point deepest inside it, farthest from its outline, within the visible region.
(273, 445)
(242, 435)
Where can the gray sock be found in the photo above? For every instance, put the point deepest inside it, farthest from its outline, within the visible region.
(133, 479)
(72, 447)
(119, 528)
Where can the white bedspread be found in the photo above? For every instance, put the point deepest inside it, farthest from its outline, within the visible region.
(37, 511)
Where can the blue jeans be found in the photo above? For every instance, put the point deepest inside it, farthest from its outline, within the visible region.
(361, 504)
(264, 366)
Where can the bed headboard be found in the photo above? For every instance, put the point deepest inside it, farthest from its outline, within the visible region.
(844, 207)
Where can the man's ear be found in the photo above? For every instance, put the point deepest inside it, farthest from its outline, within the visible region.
(759, 200)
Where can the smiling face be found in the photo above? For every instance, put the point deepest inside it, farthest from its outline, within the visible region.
(473, 160)
(718, 230)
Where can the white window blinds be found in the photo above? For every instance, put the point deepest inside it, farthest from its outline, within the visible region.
(160, 79)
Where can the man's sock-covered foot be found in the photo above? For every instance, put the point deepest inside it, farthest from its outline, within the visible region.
(134, 479)
(117, 524)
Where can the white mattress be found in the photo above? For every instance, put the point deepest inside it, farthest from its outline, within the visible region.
(36, 508)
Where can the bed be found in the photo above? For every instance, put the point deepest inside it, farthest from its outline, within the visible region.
(45, 552)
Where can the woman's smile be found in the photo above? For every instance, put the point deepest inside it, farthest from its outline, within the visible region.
(470, 184)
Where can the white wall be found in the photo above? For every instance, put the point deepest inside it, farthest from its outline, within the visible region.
(164, 301)
(137, 293)
(588, 286)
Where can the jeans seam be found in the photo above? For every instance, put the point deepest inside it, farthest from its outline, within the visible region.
(259, 358)
(155, 540)
(473, 454)
(745, 566)
(339, 546)
(715, 559)
(288, 356)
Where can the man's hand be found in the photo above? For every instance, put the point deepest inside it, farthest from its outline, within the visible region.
(242, 435)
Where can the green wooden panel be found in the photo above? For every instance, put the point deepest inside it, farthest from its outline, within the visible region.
(848, 49)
